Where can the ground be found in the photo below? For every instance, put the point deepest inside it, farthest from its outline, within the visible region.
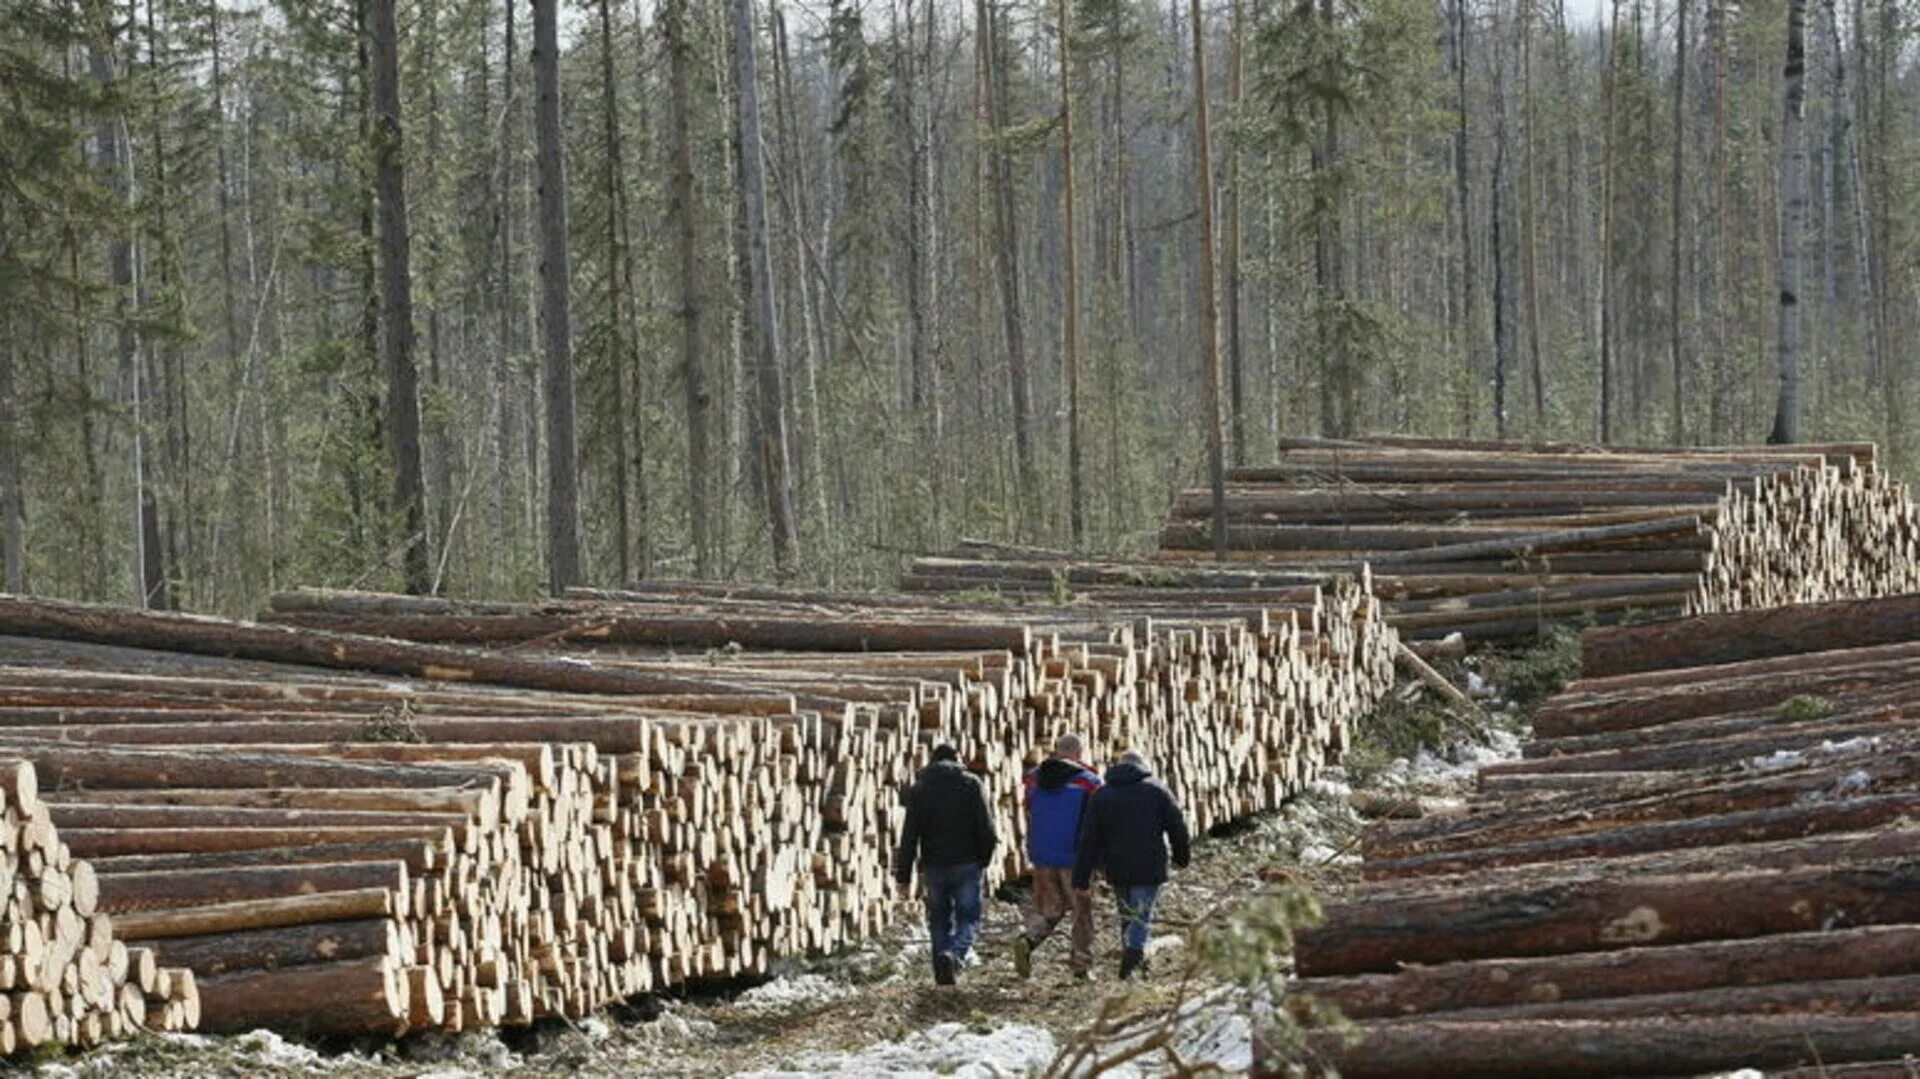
(875, 1011)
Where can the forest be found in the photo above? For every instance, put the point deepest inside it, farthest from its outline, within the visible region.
(466, 297)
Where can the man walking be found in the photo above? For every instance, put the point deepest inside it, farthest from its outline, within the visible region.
(1057, 793)
(950, 833)
(1131, 821)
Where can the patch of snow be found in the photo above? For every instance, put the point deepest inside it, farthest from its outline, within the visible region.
(1480, 687)
(792, 993)
(1778, 759)
(947, 1049)
(1856, 780)
(1427, 769)
(1788, 758)
(1317, 828)
(480, 1049)
(1862, 744)
(1169, 942)
(1332, 785)
(1215, 1030)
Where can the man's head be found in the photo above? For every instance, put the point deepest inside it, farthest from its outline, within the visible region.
(1068, 746)
(1133, 757)
(945, 752)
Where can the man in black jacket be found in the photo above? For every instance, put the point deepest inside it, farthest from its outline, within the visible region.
(949, 831)
(1131, 821)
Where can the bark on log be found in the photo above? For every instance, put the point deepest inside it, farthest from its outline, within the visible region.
(1638, 1046)
(1847, 995)
(124, 893)
(288, 946)
(261, 914)
(170, 631)
(1864, 952)
(1710, 640)
(1751, 826)
(363, 996)
(1359, 936)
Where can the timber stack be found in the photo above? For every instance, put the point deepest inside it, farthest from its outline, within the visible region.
(448, 815)
(1495, 540)
(1706, 860)
(67, 978)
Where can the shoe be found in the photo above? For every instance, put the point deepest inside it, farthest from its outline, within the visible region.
(1023, 956)
(943, 969)
(1131, 962)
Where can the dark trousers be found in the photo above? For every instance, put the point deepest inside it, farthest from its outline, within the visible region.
(953, 907)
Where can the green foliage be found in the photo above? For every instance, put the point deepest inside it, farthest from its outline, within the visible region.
(1531, 675)
(394, 723)
(1805, 708)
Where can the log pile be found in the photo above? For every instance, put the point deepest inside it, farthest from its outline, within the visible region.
(67, 975)
(1494, 540)
(1698, 865)
(449, 815)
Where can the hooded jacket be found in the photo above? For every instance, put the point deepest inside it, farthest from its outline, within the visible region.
(1130, 823)
(947, 821)
(1057, 793)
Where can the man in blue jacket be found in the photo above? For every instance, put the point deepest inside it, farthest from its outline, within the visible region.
(950, 833)
(1130, 824)
(1057, 794)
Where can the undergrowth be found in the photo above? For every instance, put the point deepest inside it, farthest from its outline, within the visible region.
(1529, 676)
(1412, 719)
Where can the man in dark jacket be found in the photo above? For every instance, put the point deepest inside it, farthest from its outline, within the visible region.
(1057, 794)
(950, 833)
(1130, 824)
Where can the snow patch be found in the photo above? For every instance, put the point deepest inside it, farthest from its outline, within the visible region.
(792, 993)
(1319, 826)
(1426, 769)
(947, 1049)
(1788, 758)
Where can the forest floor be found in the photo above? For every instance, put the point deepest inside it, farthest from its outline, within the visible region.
(875, 1011)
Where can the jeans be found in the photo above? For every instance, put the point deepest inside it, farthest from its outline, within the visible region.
(953, 907)
(1136, 911)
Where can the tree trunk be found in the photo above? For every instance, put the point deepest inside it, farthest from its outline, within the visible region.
(1676, 342)
(618, 274)
(1209, 306)
(774, 444)
(1070, 289)
(1610, 90)
(1502, 324)
(673, 20)
(13, 503)
(1463, 195)
(1230, 242)
(1530, 221)
(1793, 211)
(1007, 260)
(396, 299)
(563, 491)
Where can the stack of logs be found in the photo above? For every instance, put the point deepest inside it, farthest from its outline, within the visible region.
(1494, 540)
(612, 792)
(1707, 860)
(66, 975)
